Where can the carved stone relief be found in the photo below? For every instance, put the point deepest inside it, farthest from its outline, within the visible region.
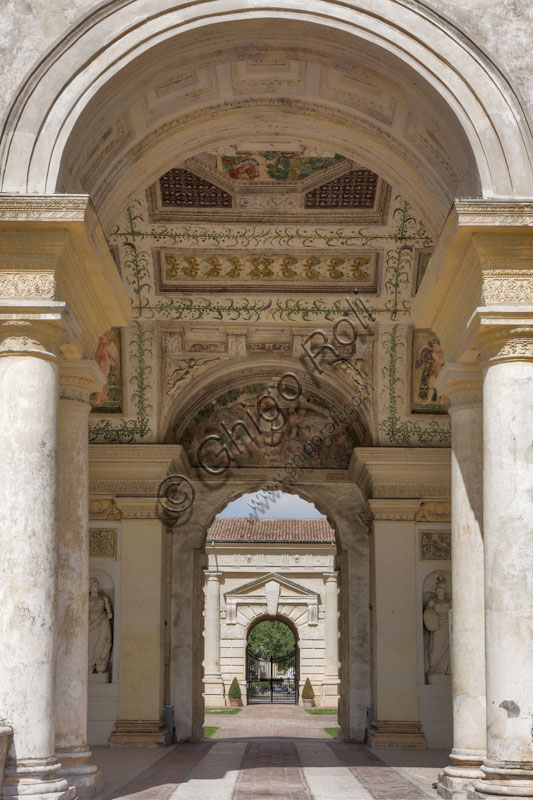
(103, 542)
(100, 633)
(436, 601)
(435, 546)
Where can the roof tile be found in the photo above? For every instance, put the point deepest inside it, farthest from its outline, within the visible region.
(244, 529)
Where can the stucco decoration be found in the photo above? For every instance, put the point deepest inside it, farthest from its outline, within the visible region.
(437, 604)
(103, 543)
(100, 633)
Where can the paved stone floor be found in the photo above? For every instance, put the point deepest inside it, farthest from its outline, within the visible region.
(268, 753)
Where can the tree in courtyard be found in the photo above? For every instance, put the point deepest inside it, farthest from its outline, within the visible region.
(271, 639)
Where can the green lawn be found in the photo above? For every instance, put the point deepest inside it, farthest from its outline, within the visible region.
(332, 711)
(209, 730)
(332, 732)
(223, 710)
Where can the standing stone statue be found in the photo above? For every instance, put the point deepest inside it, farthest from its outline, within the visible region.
(436, 622)
(100, 616)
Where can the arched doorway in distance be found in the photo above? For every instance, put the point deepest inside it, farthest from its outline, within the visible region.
(272, 662)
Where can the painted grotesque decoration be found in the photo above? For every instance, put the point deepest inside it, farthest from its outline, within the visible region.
(100, 634)
(428, 360)
(109, 398)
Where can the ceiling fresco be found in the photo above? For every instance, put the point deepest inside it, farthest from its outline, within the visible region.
(228, 269)
(269, 166)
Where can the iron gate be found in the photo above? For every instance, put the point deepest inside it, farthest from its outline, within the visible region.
(271, 680)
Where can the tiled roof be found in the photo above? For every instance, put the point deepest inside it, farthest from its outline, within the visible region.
(239, 529)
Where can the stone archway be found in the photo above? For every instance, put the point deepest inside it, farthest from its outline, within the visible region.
(352, 563)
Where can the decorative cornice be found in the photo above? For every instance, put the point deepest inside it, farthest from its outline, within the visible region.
(402, 472)
(394, 509)
(133, 470)
(27, 285)
(493, 212)
(43, 208)
(507, 287)
(139, 508)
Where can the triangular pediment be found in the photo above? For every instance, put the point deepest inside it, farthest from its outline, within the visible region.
(258, 586)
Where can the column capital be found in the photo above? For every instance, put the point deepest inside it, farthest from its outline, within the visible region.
(34, 328)
(52, 248)
(331, 577)
(502, 334)
(212, 575)
(462, 383)
(78, 379)
(482, 259)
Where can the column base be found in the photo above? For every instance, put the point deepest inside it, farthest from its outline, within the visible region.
(459, 777)
(387, 733)
(503, 780)
(81, 775)
(140, 733)
(213, 693)
(37, 778)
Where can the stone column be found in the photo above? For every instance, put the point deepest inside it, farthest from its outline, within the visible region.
(28, 552)
(505, 338)
(77, 380)
(331, 624)
(462, 383)
(213, 685)
(330, 686)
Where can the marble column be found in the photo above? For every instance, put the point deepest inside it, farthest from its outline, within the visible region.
(28, 551)
(505, 337)
(213, 685)
(77, 379)
(462, 383)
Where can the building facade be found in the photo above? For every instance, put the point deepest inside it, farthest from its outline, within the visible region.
(272, 569)
(274, 246)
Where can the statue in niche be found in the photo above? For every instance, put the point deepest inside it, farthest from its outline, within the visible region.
(100, 616)
(436, 622)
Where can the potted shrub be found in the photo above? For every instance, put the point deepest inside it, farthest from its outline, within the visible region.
(234, 694)
(308, 695)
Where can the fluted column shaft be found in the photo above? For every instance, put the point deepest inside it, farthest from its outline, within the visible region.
(77, 380)
(462, 383)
